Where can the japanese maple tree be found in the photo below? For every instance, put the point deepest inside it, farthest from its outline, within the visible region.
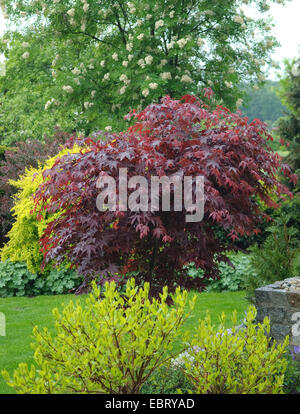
(183, 137)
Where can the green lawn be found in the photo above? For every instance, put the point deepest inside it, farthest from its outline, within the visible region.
(22, 314)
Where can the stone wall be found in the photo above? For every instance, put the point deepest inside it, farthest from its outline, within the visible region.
(280, 302)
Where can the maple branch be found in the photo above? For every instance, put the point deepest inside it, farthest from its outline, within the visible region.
(153, 258)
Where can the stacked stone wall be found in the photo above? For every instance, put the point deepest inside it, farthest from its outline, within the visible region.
(280, 302)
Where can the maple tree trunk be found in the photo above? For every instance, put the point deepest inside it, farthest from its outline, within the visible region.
(153, 258)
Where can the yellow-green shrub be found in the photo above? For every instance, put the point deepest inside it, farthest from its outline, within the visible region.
(110, 345)
(235, 361)
(23, 244)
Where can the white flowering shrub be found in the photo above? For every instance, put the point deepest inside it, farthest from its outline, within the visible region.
(130, 53)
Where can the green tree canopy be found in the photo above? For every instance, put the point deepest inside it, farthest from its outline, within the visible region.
(86, 63)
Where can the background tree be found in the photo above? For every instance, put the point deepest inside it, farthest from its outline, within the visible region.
(264, 103)
(289, 132)
(95, 60)
(289, 126)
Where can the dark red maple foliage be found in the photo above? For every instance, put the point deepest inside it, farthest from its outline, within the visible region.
(183, 137)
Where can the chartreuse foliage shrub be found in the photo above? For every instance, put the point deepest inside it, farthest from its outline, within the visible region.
(17, 280)
(13, 163)
(235, 361)
(111, 345)
(23, 244)
(123, 343)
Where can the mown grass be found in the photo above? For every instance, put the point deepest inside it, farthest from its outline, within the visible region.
(22, 314)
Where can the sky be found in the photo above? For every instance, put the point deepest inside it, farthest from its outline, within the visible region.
(286, 30)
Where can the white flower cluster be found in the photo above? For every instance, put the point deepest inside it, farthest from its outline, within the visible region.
(25, 55)
(76, 71)
(238, 19)
(171, 44)
(159, 24)
(265, 6)
(83, 25)
(269, 43)
(131, 7)
(148, 59)
(166, 75)
(87, 105)
(145, 92)
(182, 42)
(200, 42)
(259, 62)
(85, 6)
(124, 78)
(50, 102)
(186, 79)
(239, 102)
(153, 85)
(68, 88)
(122, 90)
(141, 63)
(71, 12)
(115, 106)
(209, 12)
